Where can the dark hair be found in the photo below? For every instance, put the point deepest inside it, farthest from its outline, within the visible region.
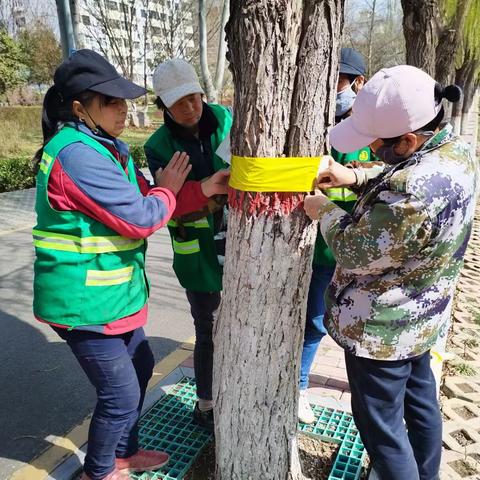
(57, 111)
(452, 93)
(159, 103)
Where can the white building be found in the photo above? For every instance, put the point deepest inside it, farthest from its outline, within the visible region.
(154, 30)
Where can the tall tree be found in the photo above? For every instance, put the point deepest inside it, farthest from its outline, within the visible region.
(442, 37)
(212, 87)
(468, 72)
(420, 19)
(374, 28)
(115, 34)
(42, 52)
(449, 40)
(13, 70)
(283, 57)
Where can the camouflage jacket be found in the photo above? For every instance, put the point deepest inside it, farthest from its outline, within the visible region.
(400, 252)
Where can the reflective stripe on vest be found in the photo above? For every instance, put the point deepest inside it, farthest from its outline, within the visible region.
(45, 162)
(202, 223)
(71, 243)
(341, 195)
(102, 278)
(186, 248)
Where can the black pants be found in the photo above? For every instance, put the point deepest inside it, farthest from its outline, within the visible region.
(119, 367)
(395, 407)
(202, 306)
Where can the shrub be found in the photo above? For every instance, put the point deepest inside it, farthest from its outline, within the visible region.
(138, 155)
(16, 174)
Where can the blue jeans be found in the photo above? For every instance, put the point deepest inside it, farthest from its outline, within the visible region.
(119, 367)
(384, 395)
(314, 328)
(202, 307)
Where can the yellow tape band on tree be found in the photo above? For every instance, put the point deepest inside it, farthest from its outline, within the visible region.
(275, 174)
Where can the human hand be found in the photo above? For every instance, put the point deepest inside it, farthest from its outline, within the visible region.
(217, 184)
(336, 175)
(312, 204)
(174, 174)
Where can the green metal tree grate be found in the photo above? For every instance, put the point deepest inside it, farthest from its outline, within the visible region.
(337, 426)
(168, 426)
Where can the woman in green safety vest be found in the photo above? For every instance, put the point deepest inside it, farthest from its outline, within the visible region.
(94, 211)
(198, 236)
(350, 80)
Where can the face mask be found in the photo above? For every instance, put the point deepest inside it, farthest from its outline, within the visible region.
(345, 100)
(386, 154)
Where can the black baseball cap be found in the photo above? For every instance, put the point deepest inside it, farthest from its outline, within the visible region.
(351, 62)
(87, 70)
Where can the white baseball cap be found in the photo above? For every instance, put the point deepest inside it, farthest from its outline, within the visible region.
(174, 79)
(393, 102)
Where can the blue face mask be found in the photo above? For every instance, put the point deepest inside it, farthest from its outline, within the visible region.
(345, 100)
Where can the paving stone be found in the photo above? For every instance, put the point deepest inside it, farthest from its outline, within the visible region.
(449, 468)
(462, 412)
(462, 388)
(324, 391)
(460, 437)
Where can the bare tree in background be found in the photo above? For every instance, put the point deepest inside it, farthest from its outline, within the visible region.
(213, 88)
(18, 14)
(115, 36)
(171, 24)
(283, 57)
(374, 28)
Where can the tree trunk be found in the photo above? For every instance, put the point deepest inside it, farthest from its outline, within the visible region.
(283, 57)
(370, 37)
(420, 19)
(206, 75)
(448, 44)
(75, 13)
(222, 48)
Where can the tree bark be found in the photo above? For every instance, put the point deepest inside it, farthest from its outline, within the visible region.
(420, 28)
(283, 57)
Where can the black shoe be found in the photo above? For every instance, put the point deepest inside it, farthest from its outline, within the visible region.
(204, 419)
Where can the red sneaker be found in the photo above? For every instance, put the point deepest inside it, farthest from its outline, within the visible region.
(115, 475)
(143, 460)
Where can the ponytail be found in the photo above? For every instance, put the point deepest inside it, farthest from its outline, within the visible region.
(452, 93)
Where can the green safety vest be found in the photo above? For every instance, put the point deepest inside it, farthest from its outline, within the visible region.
(195, 260)
(344, 198)
(84, 272)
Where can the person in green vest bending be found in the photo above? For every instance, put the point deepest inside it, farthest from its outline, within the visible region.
(350, 80)
(198, 236)
(94, 211)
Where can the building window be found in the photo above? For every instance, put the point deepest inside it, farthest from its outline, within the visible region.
(86, 20)
(154, 14)
(112, 5)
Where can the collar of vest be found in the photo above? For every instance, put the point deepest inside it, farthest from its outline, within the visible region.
(120, 147)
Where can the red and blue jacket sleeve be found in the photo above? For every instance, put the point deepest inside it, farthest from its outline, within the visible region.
(84, 180)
